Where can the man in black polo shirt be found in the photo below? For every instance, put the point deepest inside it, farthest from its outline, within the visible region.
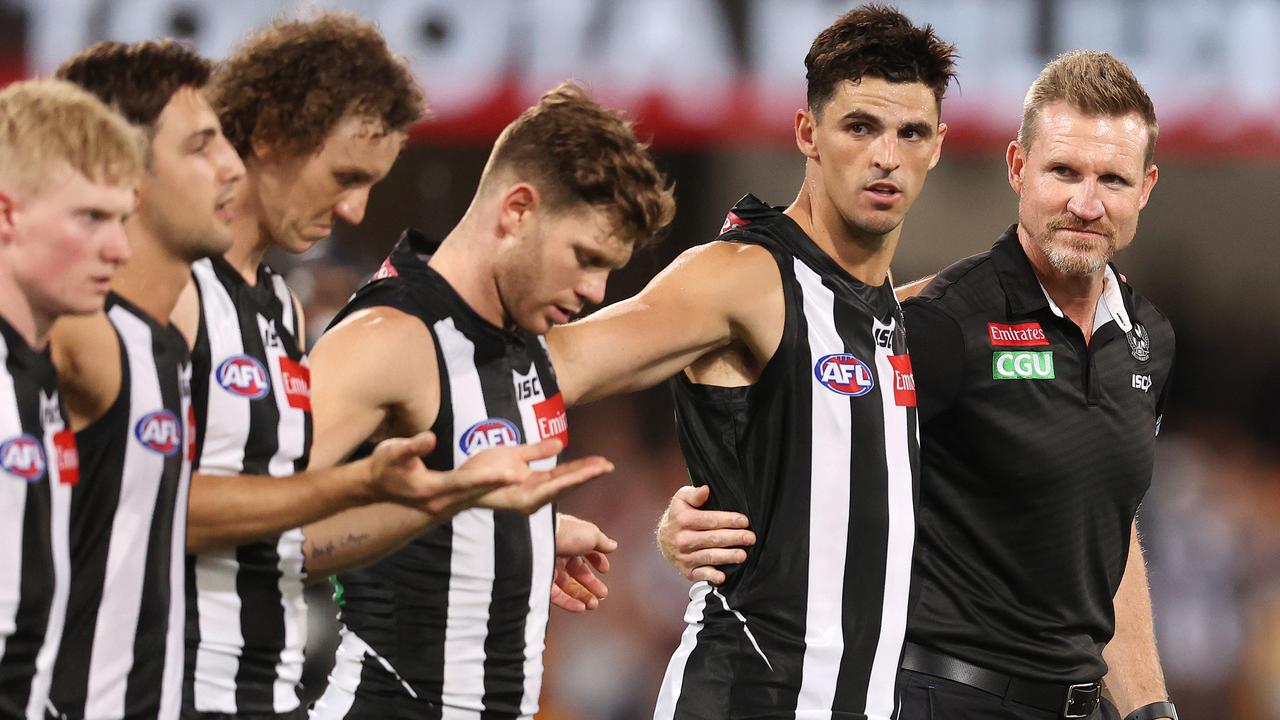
(1041, 379)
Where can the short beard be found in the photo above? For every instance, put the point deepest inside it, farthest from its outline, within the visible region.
(1073, 259)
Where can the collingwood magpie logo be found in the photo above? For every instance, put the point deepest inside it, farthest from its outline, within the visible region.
(1139, 343)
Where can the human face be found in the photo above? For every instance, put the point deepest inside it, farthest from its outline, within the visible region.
(554, 263)
(299, 197)
(64, 242)
(186, 195)
(871, 147)
(1080, 185)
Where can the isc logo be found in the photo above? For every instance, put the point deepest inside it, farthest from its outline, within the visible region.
(1142, 382)
(244, 376)
(844, 374)
(159, 431)
(490, 432)
(22, 457)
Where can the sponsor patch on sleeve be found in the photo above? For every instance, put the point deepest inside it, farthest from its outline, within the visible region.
(1021, 335)
(904, 381)
(68, 457)
(296, 378)
(552, 420)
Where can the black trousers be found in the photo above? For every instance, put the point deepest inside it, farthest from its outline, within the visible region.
(925, 697)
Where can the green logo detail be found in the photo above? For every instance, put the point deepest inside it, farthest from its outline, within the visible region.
(1016, 365)
(339, 592)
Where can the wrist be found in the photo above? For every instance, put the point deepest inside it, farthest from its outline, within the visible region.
(364, 481)
(1154, 711)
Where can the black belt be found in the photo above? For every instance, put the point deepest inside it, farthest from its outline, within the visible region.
(1068, 701)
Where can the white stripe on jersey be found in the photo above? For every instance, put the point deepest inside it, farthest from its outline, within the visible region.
(899, 546)
(111, 656)
(471, 566)
(175, 643)
(60, 541)
(673, 682)
(227, 421)
(830, 462)
(542, 532)
(286, 301)
(226, 432)
(291, 442)
(13, 501)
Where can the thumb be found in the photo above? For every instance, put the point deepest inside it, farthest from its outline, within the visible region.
(694, 496)
(540, 450)
(419, 445)
(605, 544)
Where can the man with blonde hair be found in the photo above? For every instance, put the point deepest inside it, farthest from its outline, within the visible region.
(68, 167)
(1041, 377)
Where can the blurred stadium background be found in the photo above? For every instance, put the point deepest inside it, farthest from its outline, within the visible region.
(715, 84)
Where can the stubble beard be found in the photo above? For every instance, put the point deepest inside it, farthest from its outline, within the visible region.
(1074, 258)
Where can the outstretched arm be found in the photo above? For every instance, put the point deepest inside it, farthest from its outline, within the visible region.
(710, 296)
(1134, 677)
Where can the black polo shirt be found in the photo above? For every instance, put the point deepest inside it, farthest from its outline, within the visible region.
(1036, 452)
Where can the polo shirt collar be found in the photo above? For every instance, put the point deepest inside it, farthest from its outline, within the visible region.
(1027, 295)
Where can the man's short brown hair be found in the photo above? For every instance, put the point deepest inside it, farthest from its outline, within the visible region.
(877, 41)
(1094, 83)
(45, 124)
(137, 79)
(573, 150)
(290, 83)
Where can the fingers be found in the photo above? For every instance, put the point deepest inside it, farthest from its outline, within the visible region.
(688, 541)
(565, 477)
(691, 519)
(565, 601)
(539, 450)
(599, 561)
(580, 571)
(709, 574)
(604, 543)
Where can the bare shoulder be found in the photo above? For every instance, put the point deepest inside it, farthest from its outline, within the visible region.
(301, 323)
(78, 342)
(381, 348)
(186, 313)
(86, 353)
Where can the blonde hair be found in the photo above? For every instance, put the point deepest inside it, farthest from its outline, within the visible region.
(1094, 83)
(46, 123)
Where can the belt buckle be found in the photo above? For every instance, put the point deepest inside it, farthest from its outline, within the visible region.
(1087, 702)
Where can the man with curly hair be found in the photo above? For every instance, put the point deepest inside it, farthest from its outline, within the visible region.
(125, 375)
(318, 111)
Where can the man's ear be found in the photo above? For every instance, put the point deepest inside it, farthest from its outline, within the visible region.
(806, 123)
(519, 203)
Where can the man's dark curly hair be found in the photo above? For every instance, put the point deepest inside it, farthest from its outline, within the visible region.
(576, 151)
(877, 41)
(292, 82)
(137, 79)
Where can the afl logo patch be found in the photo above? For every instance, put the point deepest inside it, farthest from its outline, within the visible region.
(244, 376)
(159, 432)
(490, 432)
(845, 374)
(23, 458)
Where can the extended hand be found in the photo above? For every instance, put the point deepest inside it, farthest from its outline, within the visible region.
(532, 488)
(695, 541)
(400, 476)
(580, 547)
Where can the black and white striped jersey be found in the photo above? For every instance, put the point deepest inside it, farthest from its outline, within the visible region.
(822, 454)
(246, 615)
(453, 625)
(123, 653)
(38, 467)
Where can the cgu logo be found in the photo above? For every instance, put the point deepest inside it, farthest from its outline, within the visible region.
(23, 458)
(844, 374)
(490, 432)
(244, 376)
(159, 431)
